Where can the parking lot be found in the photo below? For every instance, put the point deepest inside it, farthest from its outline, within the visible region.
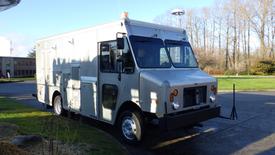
(252, 133)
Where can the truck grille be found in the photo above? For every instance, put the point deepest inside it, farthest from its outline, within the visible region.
(194, 96)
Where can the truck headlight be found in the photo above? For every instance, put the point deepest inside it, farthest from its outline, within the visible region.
(175, 105)
(212, 98)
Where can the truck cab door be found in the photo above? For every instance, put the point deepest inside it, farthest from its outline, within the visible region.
(112, 69)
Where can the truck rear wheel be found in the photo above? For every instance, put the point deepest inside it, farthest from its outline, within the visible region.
(131, 126)
(57, 105)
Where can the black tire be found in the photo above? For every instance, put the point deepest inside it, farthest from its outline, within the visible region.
(57, 106)
(131, 126)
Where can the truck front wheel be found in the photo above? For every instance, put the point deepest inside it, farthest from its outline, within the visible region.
(131, 126)
(57, 105)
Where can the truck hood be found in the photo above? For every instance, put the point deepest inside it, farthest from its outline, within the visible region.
(179, 77)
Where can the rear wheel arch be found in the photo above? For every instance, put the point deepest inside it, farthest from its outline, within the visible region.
(56, 93)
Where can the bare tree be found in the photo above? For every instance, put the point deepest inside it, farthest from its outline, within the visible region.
(259, 10)
(272, 25)
(205, 12)
(226, 31)
(197, 31)
(273, 35)
(189, 25)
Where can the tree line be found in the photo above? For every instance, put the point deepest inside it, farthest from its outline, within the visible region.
(230, 37)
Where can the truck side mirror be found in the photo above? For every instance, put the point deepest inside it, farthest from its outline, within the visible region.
(120, 43)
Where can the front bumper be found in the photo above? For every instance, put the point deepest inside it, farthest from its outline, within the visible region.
(173, 121)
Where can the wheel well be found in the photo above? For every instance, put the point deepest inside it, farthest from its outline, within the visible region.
(128, 105)
(56, 93)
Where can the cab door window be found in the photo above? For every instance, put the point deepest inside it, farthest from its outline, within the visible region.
(108, 53)
(110, 57)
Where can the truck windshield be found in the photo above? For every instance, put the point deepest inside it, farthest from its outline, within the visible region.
(181, 54)
(153, 53)
(150, 52)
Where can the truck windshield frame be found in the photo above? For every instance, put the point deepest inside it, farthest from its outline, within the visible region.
(181, 54)
(150, 52)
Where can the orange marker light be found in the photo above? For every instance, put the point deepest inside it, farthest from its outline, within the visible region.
(214, 89)
(173, 94)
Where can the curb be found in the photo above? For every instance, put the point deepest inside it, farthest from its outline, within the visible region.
(11, 81)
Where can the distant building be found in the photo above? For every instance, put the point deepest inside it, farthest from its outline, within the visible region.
(5, 47)
(17, 67)
(6, 4)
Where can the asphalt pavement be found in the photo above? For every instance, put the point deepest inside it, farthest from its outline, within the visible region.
(252, 133)
(22, 92)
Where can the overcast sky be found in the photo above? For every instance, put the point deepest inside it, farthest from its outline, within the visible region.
(34, 19)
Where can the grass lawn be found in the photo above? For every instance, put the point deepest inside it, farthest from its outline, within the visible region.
(33, 121)
(247, 83)
(5, 80)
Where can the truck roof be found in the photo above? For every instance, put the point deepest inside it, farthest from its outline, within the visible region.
(156, 26)
(126, 21)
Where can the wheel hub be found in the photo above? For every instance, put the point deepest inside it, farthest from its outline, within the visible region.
(57, 105)
(129, 128)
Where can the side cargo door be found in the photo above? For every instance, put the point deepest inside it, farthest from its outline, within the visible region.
(71, 89)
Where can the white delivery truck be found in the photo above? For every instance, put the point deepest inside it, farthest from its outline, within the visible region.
(127, 73)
